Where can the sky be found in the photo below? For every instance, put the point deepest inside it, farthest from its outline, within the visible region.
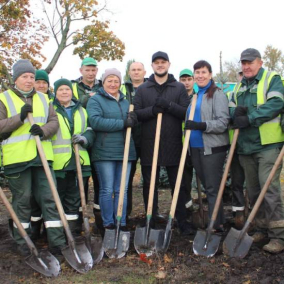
(187, 30)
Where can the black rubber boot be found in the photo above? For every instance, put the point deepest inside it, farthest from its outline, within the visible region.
(35, 229)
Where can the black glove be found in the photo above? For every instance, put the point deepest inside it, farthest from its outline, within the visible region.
(4, 136)
(241, 122)
(24, 111)
(131, 120)
(193, 125)
(161, 102)
(156, 110)
(240, 111)
(79, 139)
(36, 130)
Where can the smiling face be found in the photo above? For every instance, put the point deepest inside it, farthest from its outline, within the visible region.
(251, 68)
(111, 85)
(202, 76)
(64, 95)
(25, 82)
(160, 67)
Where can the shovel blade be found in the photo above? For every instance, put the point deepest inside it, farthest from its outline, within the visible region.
(153, 244)
(80, 258)
(200, 240)
(236, 245)
(97, 250)
(45, 263)
(112, 249)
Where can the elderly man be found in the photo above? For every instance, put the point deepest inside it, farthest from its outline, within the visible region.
(162, 94)
(255, 109)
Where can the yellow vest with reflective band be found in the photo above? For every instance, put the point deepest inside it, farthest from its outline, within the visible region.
(61, 141)
(21, 146)
(270, 131)
(75, 90)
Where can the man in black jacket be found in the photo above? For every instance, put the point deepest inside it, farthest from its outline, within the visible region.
(162, 94)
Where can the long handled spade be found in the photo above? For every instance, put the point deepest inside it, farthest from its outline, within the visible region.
(94, 245)
(206, 243)
(116, 242)
(146, 239)
(168, 231)
(77, 255)
(238, 243)
(43, 262)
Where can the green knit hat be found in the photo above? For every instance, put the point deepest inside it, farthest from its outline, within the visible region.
(42, 75)
(61, 82)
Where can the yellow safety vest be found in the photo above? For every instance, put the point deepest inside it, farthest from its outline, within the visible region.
(61, 141)
(270, 131)
(75, 90)
(21, 146)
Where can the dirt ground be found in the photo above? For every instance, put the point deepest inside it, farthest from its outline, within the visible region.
(178, 265)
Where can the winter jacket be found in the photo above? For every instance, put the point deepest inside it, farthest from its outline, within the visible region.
(171, 131)
(106, 117)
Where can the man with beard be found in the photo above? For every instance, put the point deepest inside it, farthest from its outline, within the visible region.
(162, 94)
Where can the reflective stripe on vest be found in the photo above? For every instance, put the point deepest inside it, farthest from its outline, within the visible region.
(61, 142)
(21, 141)
(270, 131)
(75, 90)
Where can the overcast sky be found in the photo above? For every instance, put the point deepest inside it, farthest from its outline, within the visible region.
(187, 30)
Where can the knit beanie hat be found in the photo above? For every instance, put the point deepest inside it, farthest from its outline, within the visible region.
(42, 75)
(22, 66)
(111, 71)
(61, 82)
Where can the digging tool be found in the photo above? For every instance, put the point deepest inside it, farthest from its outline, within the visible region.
(146, 239)
(168, 231)
(116, 242)
(207, 243)
(238, 243)
(41, 261)
(77, 255)
(94, 245)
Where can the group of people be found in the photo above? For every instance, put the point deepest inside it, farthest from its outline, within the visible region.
(95, 115)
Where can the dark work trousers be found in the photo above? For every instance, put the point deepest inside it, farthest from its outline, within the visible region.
(130, 183)
(237, 181)
(172, 175)
(187, 177)
(209, 169)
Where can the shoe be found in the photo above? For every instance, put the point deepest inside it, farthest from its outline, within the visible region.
(123, 229)
(56, 251)
(159, 218)
(110, 227)
(239, 220)
(258, 237)
(186, 229)
(23, 250)
(35, 229)
(274, 246)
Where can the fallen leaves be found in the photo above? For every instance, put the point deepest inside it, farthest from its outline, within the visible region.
(161, 274)
(226, 264)
(167, 259)
(144, 258)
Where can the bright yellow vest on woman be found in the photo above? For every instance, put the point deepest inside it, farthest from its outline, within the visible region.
(21, 146)
(61, 141)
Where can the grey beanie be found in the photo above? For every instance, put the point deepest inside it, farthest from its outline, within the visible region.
(22, 66)
(111, 71)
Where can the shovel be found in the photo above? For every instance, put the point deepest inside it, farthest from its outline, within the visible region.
(77, 255)
(168, 231)
(206, 243)
(95, 247)
(116, 242)
(43, 262)
(238, 243)
(146, 239)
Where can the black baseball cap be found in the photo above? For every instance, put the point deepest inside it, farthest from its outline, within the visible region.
(160, 54)
(250, 54)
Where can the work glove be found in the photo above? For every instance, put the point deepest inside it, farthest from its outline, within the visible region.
(241, 122)
(156, 110)
(193, 125)
(4, 136)
(163, 103)
(131, 120)
(25, 110)
(36, 130)
(241, 111)
(79, 139)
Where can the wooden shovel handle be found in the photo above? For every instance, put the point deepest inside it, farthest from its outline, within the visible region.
(224, 177)
(51, 181)
(124, 169)
(182, 159)
(154, 165)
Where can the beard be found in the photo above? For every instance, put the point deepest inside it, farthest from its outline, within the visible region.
(161, 74)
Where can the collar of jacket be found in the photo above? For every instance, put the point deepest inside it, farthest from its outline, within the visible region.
(129, 82)
(257, 78)
(102, 92)
(170, 81)
(19, 94)
(75, 106)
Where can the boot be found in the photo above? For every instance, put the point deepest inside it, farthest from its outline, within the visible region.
(274, 246)
(35, 229)
(239, 220)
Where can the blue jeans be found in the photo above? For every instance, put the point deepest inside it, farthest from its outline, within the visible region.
(109, 176)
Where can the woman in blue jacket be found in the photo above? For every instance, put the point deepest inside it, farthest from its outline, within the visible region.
(109, 118)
